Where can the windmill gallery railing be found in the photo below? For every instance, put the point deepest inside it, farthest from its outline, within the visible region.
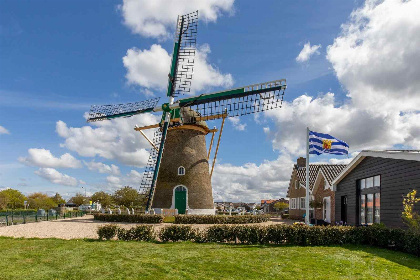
(10, 218)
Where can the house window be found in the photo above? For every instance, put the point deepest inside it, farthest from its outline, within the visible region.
(377, 181)
(377, 217)
(181, 170)
(370, 200)
(296, 184)
(293, 203)
(362, 184)
(302, 203)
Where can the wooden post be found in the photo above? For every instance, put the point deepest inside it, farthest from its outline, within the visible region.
(211, 142)
(217, 147)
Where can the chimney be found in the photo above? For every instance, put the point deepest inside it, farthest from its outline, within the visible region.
(301, 162)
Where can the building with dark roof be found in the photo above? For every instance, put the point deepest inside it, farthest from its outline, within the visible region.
(371, 188)
(297, 187)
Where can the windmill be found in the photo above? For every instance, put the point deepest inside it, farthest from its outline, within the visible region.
(182, 129)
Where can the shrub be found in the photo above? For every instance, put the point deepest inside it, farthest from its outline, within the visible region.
(107, 232)
(218, 219)
(143, 219)
(138, 233)
(176, 233)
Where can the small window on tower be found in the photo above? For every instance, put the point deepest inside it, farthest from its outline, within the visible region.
(181, 170)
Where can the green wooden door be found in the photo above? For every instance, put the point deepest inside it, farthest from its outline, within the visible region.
(181, 200)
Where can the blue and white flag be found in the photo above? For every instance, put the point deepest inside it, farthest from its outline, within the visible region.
(321, 143)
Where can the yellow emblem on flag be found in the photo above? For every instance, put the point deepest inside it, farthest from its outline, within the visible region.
(326, 144)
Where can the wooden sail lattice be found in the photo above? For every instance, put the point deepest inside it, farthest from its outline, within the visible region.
(147, 178)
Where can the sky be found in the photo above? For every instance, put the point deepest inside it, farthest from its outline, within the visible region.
(351, 67)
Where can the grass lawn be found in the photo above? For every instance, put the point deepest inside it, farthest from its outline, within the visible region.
(84, 259)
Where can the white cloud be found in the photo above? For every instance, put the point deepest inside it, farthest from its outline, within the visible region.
(150, 68)
(102, 167)
(56, 177)
(132, 179)
(236, 122)
(3, 130)
(44, 158)
(359, 127)
(158, 17)
(251, 182)
(114, 139)
(377, 55)
(377, 60)
(307, 51)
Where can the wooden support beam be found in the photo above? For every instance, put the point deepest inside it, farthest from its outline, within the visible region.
(147, 138)
(211, 141)
(207, 118)
(218, 143)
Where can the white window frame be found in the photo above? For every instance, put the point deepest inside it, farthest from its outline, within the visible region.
(293, 203)
(181, 171)
(300, 202)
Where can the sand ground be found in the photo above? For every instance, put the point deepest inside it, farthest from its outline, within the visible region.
(81, 227)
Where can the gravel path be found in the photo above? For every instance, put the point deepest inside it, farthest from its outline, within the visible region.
(79, 228)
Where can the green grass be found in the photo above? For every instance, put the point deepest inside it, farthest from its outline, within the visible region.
(84, 259)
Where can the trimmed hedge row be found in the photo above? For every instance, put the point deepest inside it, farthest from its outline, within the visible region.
(394, 239)
(142, 219)
(218, 219)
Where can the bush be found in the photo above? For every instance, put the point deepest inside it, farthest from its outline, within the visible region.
(138, 233)
(107, 232)
(295, 235)
(176, 233)
(141, 219)
(218, 219)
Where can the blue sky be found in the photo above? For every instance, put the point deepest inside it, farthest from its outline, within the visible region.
(59, 57)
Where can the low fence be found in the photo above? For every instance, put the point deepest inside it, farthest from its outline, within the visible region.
(23, 217)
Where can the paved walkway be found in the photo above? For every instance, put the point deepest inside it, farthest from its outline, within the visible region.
(82, 227)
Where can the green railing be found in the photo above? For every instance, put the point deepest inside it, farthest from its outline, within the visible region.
(24, 217)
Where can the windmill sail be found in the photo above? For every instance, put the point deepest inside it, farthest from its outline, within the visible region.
(106, 112)
(184, 53)
(237, 102)
(147, 179)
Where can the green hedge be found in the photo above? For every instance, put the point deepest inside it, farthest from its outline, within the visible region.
(138, 233)
(143, 219)
(300, 235)
(218, 219)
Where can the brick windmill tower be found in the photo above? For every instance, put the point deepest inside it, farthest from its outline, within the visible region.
(179, 157)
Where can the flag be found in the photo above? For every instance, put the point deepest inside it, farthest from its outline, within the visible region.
(321, 143)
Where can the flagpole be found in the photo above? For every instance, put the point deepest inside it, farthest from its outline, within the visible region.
(307, 178)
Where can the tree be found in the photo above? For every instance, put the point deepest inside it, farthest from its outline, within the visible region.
(410, 217)
(12, 198)
(40, 200)
(79, 199)
(280, 206)
(103, 198)
(127, 197)
(58, 199)
(4, 200)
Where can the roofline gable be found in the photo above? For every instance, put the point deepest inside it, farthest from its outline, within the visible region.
(404, 155)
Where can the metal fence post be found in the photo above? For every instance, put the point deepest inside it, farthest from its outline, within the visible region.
(24, 218)
(7, 220)
(47, 216)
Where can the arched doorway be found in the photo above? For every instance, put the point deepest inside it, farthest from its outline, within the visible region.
(181, 199)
